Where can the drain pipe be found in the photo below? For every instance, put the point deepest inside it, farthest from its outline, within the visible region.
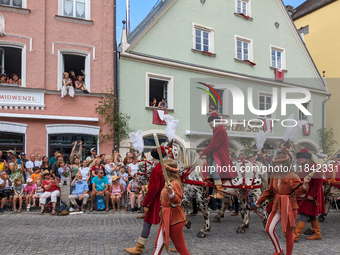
(323, 120)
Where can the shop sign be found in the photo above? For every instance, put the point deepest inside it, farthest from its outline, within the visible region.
(21, 99)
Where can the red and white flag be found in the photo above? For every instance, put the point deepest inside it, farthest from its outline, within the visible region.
(267, 124)
(279, 74)
(306, 129)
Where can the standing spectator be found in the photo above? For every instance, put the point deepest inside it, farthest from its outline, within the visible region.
(73, 154)
(80, 84)
(3, 163)
(53, 159)
(100, 188)
(52, 190)
(127, 168)
(6, 191)
(10, 154)
(117, 191)
(162, 104)
(96, 167)
(39, 159)
(16, 169)
(36, 175)
(30, 164)
(74, 167)
(39, 190)
(54, 168)
(15, 79)
(67, 86)
(102, 161)
(18, 189)
(63, 169)
(85, 171)
(92, 156)
(79, 192)
(45, 165)
(29, 193)
(133, 167)
(129, 156)
(73, 77)
(124, 179)
(23, 160)
(136, 191)
(110, 168)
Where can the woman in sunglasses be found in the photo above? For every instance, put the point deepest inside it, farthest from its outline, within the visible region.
(52, 190)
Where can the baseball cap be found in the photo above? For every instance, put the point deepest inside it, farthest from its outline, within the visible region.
(93, 149)
(22, 154)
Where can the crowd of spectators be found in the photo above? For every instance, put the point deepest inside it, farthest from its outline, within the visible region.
(71, 81)
(36, 181)
(13, 79)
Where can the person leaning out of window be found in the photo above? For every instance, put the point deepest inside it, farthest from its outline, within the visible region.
(162, 104)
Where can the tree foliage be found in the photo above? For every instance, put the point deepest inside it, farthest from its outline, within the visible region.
(117, 122)
(247, 144)
(327, 141)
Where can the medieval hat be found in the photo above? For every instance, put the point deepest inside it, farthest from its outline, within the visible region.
(304, 153)
(213, 116)
(155, 155)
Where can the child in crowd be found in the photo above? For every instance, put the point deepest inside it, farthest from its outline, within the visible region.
(117, 191)
(38, 191)
(29, 193)
(96, 167)
(36, 174)
(63, 169)
(136, 191)
(18, 189)
(124, 180)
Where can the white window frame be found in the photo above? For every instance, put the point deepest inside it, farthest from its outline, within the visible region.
(248, 12)
(210, 30)
(61, 65)
(310, 109)
(170, 90)
(21, 46)
(283, 56)
(250, 48)
(23, 4)
(266, 94)
(87, 9)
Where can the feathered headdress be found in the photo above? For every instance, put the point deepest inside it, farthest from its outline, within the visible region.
(171, 124)
(137, 140)
(261, 138)
(291, 131)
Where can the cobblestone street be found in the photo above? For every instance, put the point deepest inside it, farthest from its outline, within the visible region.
(105, 233)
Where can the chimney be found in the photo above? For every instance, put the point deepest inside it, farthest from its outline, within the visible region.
(290, 9)
(127, 17)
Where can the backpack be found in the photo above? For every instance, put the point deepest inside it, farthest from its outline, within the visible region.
(63, 208)
(99, 204)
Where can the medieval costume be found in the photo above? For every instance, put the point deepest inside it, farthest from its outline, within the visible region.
(173, 218)
(283, 185)
(151, 204)
(313, 202)
(219, 161)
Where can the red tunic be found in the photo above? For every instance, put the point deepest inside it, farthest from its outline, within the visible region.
(152, 198)
(219, 147)
(316, 206)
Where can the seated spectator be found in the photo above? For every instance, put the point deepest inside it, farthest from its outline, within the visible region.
(6, 191)
(15, 79)
(4, 79)
(80, 192)
(110, 168)
(153, 103)
(63, 169)
(19, 193)
(3, 162)
(29, 193)
(53, 159)
(102, 161)
(80, 84)
(38, 191)
(45, 164)
(126, 163)
(133, 167)
(162, 104)
(117, 191)
(36, 174)
(90, 158)
(95, 167)
(54, 167)
(52, 189)
(67, 86)
(136, 191)
(100, 188)
(85, 171)
(124, 179)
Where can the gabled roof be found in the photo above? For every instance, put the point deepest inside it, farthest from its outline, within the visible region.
(148, 20)
(308, 7)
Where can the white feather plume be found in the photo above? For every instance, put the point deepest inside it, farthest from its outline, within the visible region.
(291, 131)
(137, 141)
(171, 124)
(261, 138)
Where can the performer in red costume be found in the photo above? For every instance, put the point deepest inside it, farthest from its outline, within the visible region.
(313, 203)
(282, 186)
(151, 204)
(218, 154)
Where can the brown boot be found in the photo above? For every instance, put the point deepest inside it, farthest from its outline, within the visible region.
(316, 229)
(143, 215)
(139, 247)
(298, 230)
(219, 190)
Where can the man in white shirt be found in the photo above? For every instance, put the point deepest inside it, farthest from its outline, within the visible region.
(30, 164)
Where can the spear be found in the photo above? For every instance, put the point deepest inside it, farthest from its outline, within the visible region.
(161, 159)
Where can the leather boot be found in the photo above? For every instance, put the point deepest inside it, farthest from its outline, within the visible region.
(219, 190)
(143, 215)
(140, 246)
(317, 231)
(298, 230)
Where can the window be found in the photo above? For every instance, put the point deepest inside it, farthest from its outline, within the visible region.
(149, 142)
(304, 30)
(242, 50)
(265, 103)
(277, 57)
(12, 141)
(309, 107)
(215, 104)
(75, 8)
(242, 7)
(203, 38)
(11, 65)
(13, 3)
(158, 87)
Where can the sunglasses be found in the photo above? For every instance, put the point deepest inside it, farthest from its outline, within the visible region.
(101, 173)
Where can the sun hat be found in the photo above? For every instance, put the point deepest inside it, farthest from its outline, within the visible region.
(115, 177)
